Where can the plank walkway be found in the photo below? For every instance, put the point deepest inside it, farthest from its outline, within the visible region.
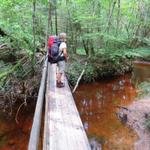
(63, 128)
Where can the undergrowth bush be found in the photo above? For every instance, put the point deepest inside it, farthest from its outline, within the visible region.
(144, 88)
(148, 124)
(75, 69)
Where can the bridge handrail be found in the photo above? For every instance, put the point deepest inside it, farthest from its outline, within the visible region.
(35, 131)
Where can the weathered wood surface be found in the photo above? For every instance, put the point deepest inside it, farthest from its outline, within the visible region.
(35, 131)
(63, 127)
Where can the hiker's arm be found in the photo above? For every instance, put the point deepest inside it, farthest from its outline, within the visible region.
(65, 53)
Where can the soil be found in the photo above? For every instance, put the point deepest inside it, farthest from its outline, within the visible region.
(136, 116)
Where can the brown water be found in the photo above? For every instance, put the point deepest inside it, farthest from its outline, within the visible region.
(141, 72)
(98, 104)
(15, 136)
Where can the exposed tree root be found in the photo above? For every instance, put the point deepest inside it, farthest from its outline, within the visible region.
(25, 104)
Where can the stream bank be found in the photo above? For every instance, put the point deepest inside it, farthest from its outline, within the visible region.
(96, 68)
(106, 128)
(103, 103)
(137, 114)
(16, 89)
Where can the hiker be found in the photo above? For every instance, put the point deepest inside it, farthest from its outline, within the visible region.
(57, 53)
(62, 63)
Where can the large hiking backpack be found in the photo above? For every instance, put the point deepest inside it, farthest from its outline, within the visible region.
(53, 50)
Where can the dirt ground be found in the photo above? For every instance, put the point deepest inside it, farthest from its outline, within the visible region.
(136, 117)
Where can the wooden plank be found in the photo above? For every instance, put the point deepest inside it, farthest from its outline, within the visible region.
(63, 127)
(35, 131)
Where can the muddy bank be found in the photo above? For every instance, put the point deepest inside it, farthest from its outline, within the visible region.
(136, 118)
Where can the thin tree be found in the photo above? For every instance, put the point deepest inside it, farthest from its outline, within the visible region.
(111, 10)
(49, 18)
(34, 32)
(118, 17)
(56, 26)
(49, 23)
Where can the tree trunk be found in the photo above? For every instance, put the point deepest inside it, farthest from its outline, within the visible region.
(72, 31)
(92, 52)
(49, 23)
(118, 17)
(34, 32)
(85, 45)
(2, 33)
(110, 15)
(49, 19)
(56, 26)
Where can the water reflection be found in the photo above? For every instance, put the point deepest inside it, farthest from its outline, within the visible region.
(15, 136)
(141, 72)
(97, 104)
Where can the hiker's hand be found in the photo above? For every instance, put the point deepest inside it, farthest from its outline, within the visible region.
(67, 58)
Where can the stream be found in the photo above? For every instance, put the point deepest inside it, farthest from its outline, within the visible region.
(98, 104)
(15, 136)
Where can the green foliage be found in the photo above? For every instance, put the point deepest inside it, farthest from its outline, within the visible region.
(90, 73)
(85, 21)
(73, 72)
(75, 69)
(144, 88)
(148, 123)
(89, 20)
(16, 21)
(7, 71)
(81, 51)
(103, 65)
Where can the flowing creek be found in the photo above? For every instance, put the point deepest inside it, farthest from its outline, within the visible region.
(98, 104)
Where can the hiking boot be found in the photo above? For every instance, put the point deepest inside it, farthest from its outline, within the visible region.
(60, 84)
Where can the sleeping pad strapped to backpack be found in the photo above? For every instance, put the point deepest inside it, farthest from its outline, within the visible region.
(54, 55)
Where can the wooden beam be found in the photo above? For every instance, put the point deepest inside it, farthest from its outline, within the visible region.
(63, 128)
(35, 131)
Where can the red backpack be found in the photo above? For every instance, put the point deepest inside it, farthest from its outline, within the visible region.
(53, 46)
(53, 49)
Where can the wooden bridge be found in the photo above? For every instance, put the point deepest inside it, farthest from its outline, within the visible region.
(63, 129)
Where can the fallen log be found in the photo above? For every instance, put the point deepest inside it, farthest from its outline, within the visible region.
(77, 83)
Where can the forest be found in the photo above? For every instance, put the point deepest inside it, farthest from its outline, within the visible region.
(110, 32)
(104, 37)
